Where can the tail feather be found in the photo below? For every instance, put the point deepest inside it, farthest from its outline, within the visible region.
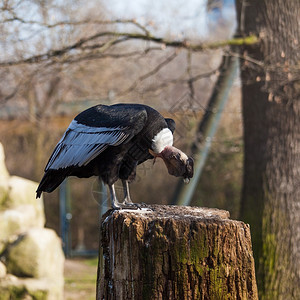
(50, 181)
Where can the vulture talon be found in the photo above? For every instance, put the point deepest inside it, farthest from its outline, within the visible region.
(133, 206)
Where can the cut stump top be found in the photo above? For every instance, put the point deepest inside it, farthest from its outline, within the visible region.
(156, 212)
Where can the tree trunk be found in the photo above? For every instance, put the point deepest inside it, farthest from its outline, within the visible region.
(271, 111)
(173, 252)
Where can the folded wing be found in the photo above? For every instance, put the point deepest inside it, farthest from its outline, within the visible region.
(81, 143)
(79, 146)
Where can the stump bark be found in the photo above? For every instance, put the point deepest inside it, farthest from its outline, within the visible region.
(173, 252)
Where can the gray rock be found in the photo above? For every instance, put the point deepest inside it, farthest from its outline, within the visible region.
(2, 270)
(14, 222)
(12, 287)
(16, 191)
(19, 210)
(21, 191)
(4, 190)
(3, 171)
(37, 254)
(30, 250)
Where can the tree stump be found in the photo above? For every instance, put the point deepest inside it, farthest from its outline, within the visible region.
(173, 252)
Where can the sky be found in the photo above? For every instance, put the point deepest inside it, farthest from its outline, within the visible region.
(178, 18)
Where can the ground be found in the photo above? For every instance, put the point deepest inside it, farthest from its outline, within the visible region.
(80, 279)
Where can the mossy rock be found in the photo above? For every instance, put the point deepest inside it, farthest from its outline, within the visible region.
(21, 191)
(3, 171)
(2, 270)
(4, 190)
(14, 222)
(13, 288)
(37, 254)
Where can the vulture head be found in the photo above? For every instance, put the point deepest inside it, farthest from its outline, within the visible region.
(177, 162)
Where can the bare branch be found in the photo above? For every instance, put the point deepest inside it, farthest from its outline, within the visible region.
(151, 73)
(247, 58)
(189, 73)
(204, 75)
(79, 45)
(10, 96)
(182, 80)
(77, 23)
(18, 87)
(158, 67)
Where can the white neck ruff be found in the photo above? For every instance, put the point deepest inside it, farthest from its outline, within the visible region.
(162, 139)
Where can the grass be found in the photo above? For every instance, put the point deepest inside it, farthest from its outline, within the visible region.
(80, 279)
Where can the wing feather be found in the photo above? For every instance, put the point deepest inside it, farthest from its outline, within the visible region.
(81, 144)
(94, 130)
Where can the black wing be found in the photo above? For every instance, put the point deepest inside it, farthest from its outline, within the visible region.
(95, 129)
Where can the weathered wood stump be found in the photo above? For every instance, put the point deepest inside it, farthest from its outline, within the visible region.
(173, 252)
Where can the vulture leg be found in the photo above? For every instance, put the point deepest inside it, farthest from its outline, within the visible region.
(127, 199)
(116, 204)
(127, 203)
(114, 201)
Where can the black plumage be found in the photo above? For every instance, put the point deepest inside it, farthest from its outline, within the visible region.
(109, 142)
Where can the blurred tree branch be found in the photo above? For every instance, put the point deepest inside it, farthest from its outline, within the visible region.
(150, 73)
(15, 18)
(181, 79)
(119, 37)
(80, 47)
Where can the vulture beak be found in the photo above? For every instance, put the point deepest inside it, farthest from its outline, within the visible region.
(177, 162)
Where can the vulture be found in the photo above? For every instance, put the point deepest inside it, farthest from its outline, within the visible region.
(109, 142)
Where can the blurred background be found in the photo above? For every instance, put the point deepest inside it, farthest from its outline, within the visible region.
(58, 58)
(39, 100)
(48, 97)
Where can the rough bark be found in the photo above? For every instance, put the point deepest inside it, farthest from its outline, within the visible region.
(173, 252)
(270, 73)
